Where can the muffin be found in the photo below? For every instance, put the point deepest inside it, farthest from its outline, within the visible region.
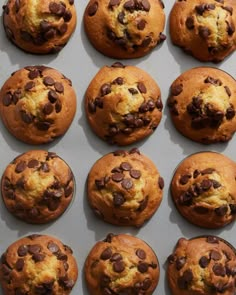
(41, 26)
(38, 264)
(37, 186)
(204, 28)
(202, 265)
(204, 112)
(123, 104)
(203, 189)
(37, 104)
(121, 264)
(124, 28)
(124, 188)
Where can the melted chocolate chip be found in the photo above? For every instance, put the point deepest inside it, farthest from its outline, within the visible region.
(92, 9)
(57, 8)
(106, 254)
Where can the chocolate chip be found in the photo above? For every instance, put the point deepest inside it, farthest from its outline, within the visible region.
(180, 262)
(48, 81)
(118, 266)
(45, 167)
(67, 16)
(52, 96)
(47, 108)
(63, 28)
(53, 204)
(133, 90)
(106, 254)
(186, 199)
(189, 22)
(134, 151)
(100, 183)
(20, 264)
(141, 24)
(145, 5)
(230, 29)
(29, 86)
(53, 247)
(136, 174)
(204, 32)
(129, 5)
(216, 184)
(230, 113)
(33, 74)
(142, 267)
(159, 104)
(212, 240)
(22, 250)
(229, 9)
(121, 17)
(206, 184)
(117, 65)
(66, 283)
(176, 89)
(108, 238)
(118, 199)
(105, 89)
(25, 36)
(141, 87)
(58, 106)
(146, 284)
(222, 210)
(57, 8)
(117, 177)
(113, 3)
(68, 191)
(7, 99)
(207, 171)
(34, 248)
(6, 269)
(33, 163)
(213, 81)
(204, 261)
(219, 269)
(185, 279)
(115, 257)
(215, 255)
(43, 126)
(37, 257)
(233, 208)
(105, 280)
(125, 166)
(20, 167)
(16, 96)
(228, 91)
(92, 9)
(141, 254)
(184, 179)
(127, 183)
(161, 182)
(45, 26)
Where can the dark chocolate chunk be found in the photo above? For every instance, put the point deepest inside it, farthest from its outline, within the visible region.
(134, 173)
(184, 179)
(67, 16)
(204, 261)
(29, 86)
(219, 269)
(52, 96)
(142, 267)
(117, 177)
(48, 81)
(47, 108)
(34, 248)
(105, 89)
(37, 257)
(215, 255)
(141, 24)
(106, 254)
(20, 167)
(92, 9)
(22, 250)
(118, 199)
(212, 240)
(141, 254)
(118, 266)
(127, 183)
(141, 87)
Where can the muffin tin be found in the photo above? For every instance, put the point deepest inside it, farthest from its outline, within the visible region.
(80, 148)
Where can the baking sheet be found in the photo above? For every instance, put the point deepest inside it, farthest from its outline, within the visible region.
(80, 148)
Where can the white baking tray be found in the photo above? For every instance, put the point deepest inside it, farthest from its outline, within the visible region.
(80, 148)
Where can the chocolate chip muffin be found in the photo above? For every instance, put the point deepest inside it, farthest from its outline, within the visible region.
(38, 264)
(124, 188)
(204, 189)
(204, 112)
(202, 265)
(204, 28)
(124, 28)
(121, 264)
(41, 26)
(37, 186)
(123, 104)
(37, 104)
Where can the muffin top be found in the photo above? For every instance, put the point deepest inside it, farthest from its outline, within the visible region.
(204, 265)
(37, 104)
(204, 28)
(124, 28)
(39, 26)
(38, 264)
(121, 264)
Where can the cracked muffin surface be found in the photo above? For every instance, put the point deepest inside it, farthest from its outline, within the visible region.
(38, 264)
(125, 28)
(204, 191)
(204, 28)
(37, 186)
(121, 264)
(204, 112)
(39, 26)
(202, 265)
(37, 104)
(124, 188)
(123, 104)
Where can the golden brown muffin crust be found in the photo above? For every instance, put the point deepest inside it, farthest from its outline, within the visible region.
(204, 28)
(37, 186)
(200, 266)
(123, 104)
(124, 188)
(204, 112)
(204, 189)
(124, 28)
(37, 104)
(38, 264)
(39, 26)
(121, 264)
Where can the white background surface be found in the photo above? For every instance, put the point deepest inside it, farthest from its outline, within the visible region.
(80, 148)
